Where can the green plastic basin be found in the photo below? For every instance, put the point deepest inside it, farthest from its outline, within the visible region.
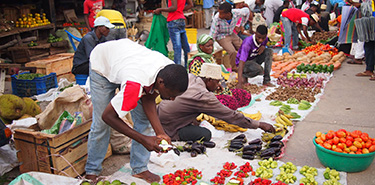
(342, 161)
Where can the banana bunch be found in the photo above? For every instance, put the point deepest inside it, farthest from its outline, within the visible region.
(255, 116)
(222, 125)
(283, 120)
(206, 117)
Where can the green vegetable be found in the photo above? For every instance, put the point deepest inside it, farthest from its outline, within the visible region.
(276, 103)
(29, 76)
(295, 115)
(292, 101)
(304, 105)
(286, 108)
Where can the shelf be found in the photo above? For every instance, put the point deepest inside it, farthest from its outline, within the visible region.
(22, 30)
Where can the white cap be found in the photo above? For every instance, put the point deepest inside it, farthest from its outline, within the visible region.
(238, 1)
(103, 21)
(323, 7)
(315, 17)
(212, 71)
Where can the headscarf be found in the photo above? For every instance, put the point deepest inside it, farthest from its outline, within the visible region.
(203, 39)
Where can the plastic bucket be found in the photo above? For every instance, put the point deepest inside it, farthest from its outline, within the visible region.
(81, 79)
(191, 34)
(342, 161)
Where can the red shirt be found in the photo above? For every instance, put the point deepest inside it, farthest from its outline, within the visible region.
(295, 15)
(178, 14)
(92, 7)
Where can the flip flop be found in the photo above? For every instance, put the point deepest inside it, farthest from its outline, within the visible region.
(372, 78)
(363, 74)
(355, 62)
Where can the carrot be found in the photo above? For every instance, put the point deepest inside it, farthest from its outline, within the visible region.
(336, 65)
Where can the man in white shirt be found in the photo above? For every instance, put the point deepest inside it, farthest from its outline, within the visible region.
(142, 75)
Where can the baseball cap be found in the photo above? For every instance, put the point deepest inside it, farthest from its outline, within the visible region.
(103, 21)
(212, 71)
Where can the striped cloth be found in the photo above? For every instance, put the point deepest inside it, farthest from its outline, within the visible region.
(348, 32)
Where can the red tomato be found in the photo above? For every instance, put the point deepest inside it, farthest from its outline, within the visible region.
(365, 151)
(353, 148)
(350, 138)
(368, 144)
(364, 137)
(337, 150)
(349, 143)
(336, 140)
(341, 146)
(342, 140)
(329, 135)
(318, 134)
(340, 134)
(327, 145)
(371, 148)
(358, 139)
(323, 137)
(357, 144)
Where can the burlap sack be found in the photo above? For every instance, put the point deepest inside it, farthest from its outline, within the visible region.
(72, 99)
(120, 143)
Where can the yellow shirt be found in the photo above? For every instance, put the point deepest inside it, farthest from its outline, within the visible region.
(114, 16)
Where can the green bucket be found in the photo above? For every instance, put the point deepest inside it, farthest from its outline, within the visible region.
(342, 161)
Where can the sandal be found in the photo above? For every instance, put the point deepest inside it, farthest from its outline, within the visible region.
(372, 78)
(366, 73)
(355, 61)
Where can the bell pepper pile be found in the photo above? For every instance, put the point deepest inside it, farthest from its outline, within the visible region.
(227, 171)
(261, 181)
(343, 141)
(186, 176)
(315, 68)
(320, 49)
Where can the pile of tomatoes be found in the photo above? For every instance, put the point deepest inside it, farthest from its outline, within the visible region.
(343, 141)
(261, 181)
(320, 49)
(185, 176)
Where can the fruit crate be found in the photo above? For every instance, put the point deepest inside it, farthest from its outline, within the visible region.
(61, 154)
(39, 85)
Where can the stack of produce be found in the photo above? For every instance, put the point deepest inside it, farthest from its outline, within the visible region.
(13, 107)
(323, 36)
(194, 147)
(30, 20)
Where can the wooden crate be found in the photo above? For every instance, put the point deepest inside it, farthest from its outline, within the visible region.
(24, 54)
(61, 64)
(61, 154)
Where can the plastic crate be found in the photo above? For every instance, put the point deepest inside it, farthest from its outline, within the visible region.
(40, 85)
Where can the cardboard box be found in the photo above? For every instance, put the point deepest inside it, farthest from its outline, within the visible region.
(61, 154)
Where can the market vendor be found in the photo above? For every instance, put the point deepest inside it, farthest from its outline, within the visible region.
(116, 18)
(205, 48)
(222, 29)
(87, 44)
(178, 117)
(251, 55)
(293, 19)
(142, 75)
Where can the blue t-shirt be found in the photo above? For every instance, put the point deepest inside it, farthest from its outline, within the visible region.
(208, 3)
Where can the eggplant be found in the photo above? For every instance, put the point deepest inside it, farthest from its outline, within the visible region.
(255, 141)
(209, 144)
(197, 149)
(176, 151)
(236, 143)
(232, 149)
(239, 140)
(251, 147)
(277, 154)
(188, 149)
(236, 146)
(276, 144)
(189, 142)
(241, 136)
(277, 138)
(269, 152)
(249, 157)
(249, 152)
(193, 154)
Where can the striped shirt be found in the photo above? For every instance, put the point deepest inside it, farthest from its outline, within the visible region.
(220, 27)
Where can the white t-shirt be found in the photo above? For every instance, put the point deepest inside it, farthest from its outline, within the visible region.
(129, 64)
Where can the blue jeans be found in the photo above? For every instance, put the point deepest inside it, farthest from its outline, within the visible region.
(290, 30)
(177, 33)
(102, 91)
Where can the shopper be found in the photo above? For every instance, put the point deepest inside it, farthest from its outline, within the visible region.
(271, 7)
(276, 17)
(178, 117)
(208, 9)
(90, 9)
(141, 75)
(176, 27)
(222, 28)
(251, 55)
(81, 57)
(205, 46)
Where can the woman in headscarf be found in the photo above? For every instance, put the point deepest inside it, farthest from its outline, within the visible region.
(205, 45)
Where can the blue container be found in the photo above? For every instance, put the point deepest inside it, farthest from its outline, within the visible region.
(39, 85)
(81, 79)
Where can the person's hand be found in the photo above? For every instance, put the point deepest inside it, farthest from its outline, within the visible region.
(165, 137)
(157, 11)
(261, 49)
(151, 143)
(266, 127)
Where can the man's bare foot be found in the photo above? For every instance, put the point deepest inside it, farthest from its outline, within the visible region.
(148, 176)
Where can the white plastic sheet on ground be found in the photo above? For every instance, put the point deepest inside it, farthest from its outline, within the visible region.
(40, 178)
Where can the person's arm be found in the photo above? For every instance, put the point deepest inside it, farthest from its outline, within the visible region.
(305, 32)
(214, 31)
(149, 107)
(86, 17)
(110, 117)
(300, 32)
(318, 26)
(240, 74)
(242, 55)
(172, 8)
(189, 5)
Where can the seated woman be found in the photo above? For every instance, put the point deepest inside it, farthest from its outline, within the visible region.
(205, 45)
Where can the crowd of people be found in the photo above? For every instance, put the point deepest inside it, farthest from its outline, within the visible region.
(187, 87)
